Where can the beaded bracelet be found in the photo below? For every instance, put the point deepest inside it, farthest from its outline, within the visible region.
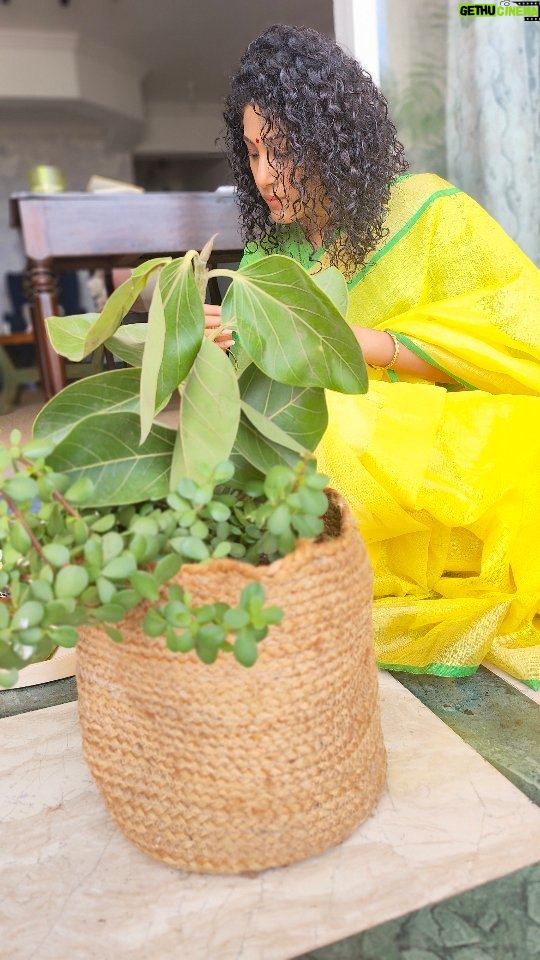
(389, 366)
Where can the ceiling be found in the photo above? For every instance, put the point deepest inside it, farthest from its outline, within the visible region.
(188, 48)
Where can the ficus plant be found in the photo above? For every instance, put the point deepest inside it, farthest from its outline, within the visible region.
(101, 508)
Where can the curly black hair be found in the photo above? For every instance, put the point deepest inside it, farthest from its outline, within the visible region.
(333, 126)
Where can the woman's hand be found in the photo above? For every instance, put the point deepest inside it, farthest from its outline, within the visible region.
(212, 316)
(212, 312)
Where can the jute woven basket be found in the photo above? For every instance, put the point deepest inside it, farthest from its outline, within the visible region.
(222, 769)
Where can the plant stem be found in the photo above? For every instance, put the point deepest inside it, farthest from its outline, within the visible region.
(65, 504)
(57, 496)
(200, 263)
(222, 272)
(201, 277)
(20, 517)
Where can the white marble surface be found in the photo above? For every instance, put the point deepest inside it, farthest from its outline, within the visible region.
(73, 887)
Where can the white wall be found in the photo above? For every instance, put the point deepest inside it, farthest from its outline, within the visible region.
(356, 30)
(180, 129)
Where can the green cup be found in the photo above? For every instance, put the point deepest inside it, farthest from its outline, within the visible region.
(46, 179)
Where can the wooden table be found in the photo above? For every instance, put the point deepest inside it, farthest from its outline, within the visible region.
(85, 231)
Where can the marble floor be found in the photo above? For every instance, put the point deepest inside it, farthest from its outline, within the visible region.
(446, 868)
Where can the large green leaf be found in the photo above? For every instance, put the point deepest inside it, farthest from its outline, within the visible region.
(244, 472)
(69, 335)
(128, 343)
(74, 337)
(258, 451)
(109, 392)
(105, 448)
(269, 429)
(184, 325)
(175, 333)
(300, 411)
(335, 287)
(291, 329)
(152, 359)
(209, 415)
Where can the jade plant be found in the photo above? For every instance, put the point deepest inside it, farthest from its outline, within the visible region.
(99, 511)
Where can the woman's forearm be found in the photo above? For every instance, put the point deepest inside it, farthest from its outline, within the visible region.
(378, 348)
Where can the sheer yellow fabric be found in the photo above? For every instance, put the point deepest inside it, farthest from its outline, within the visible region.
(446, 496)
(444, 485)
(449, 277)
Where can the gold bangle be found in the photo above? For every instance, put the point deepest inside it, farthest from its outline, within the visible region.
(388, 366)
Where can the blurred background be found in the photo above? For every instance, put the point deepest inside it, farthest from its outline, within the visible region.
(133, 90)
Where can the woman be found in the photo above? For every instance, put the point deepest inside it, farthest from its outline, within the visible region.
(440, 461)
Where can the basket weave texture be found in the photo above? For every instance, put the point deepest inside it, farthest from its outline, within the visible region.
(223, 769)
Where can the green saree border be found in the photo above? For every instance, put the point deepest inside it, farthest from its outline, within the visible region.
(446, 192)
(434, 669)
(444, 670)
(414, 348)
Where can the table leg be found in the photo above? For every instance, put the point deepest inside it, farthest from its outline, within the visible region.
(43, 300)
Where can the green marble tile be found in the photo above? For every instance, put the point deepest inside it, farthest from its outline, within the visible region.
(496, 719)
(496, 921)
(40, 695)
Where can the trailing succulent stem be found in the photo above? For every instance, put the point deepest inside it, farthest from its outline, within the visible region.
(65, 564)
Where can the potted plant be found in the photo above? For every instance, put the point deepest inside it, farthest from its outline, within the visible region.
(177, 555)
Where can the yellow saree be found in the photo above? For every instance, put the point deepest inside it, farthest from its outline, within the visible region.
(444, 485)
